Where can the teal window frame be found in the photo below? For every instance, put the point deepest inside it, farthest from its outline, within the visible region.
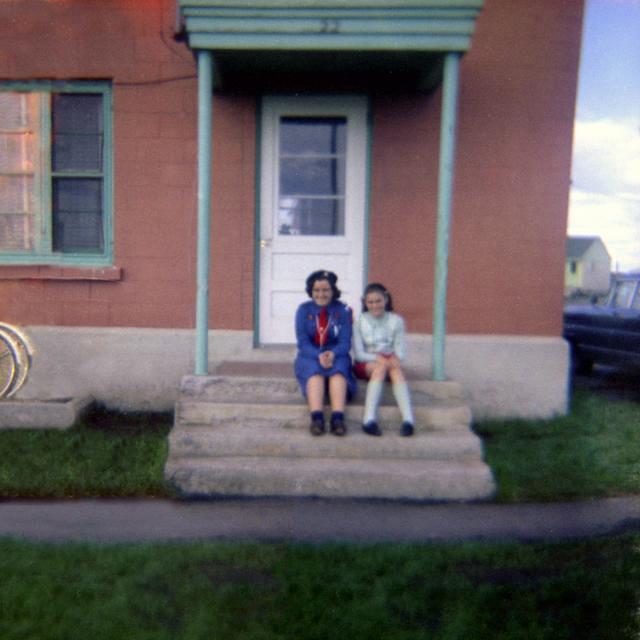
(43, 253)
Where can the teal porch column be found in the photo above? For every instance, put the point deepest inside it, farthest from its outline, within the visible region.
(205, 107)
(445, 197)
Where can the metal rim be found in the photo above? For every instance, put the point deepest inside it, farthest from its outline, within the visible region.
(8, 364)
(22, 350)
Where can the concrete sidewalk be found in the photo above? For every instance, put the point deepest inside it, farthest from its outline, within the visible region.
(312, 520)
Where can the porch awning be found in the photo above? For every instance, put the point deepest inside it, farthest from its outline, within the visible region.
(350, 44)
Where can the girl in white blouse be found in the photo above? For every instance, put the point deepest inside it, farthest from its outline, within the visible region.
(378, 341)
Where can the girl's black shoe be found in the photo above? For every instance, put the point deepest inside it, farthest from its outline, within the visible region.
(372, 429)
(406, 429)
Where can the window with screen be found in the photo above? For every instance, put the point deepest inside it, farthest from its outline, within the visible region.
(54, 173)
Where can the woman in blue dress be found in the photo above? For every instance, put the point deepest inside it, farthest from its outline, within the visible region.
(323, 334)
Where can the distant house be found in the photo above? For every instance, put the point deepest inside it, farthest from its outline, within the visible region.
(587, 265)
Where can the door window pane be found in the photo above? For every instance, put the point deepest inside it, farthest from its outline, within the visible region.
(312, 174)
(311, 216)
(313, 135)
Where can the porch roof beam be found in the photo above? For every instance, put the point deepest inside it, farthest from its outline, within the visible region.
(330, 25)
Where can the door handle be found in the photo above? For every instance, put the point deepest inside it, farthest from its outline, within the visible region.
(265, 243)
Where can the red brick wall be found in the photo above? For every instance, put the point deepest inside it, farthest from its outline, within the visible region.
(516, 107)
(155, 171)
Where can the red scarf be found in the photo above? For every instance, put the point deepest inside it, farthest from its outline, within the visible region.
(322, 327)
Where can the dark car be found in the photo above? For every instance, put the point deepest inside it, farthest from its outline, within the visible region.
(607, 332)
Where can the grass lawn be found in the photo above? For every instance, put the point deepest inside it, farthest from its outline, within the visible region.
(248, 591)
(592, 452)
(107, 454)
(580, 590)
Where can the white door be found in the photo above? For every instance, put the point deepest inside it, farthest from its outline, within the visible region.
(312, 200)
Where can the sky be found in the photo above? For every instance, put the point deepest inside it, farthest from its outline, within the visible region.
(605, 193)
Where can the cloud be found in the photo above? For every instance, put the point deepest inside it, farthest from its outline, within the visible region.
(605, 193)
(615, 218)
(606, 156)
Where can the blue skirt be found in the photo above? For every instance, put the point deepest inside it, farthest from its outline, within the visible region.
(305, 367)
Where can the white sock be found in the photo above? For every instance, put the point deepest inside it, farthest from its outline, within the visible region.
(401, 394)
(374, 390)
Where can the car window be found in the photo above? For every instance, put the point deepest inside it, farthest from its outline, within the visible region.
(621, 296)
(635, 304)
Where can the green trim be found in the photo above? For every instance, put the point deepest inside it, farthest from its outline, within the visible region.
(42, 240)
(366, 232)
(289, 5)
(337, 25)
(446, 172)
(205, 130)
(328, 42)
(56, 86)
(258, 226)
(42, 254)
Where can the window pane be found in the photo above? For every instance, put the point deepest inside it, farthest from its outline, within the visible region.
(13, 110)
(313, 135)
(311, 216)
(622, 295)
(16, 233)
(19, 118)
(16, 194)
(77, 215)
(16, 152)
(312, 176)
(77, 132)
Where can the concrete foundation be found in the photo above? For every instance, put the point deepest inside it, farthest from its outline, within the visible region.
(59, 413)
(141, 369)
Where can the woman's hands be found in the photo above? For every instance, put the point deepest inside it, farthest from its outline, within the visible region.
(327, 358)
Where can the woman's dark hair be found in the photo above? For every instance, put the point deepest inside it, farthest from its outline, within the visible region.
(376, 287)
(329, 276)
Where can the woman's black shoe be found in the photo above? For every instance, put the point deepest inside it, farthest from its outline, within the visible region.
(338, 428)
(372, 429)
(316, 427)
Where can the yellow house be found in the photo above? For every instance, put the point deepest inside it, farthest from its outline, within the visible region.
(587, 265)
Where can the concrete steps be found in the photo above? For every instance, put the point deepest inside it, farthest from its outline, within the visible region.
(276, 441)
(334, 478)
(244, 431)
(292, 414)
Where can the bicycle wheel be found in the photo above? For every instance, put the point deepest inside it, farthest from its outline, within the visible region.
(8, 359)
(23, 353)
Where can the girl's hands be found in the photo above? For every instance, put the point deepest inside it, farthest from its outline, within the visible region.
(393, 361)
(388, 362)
